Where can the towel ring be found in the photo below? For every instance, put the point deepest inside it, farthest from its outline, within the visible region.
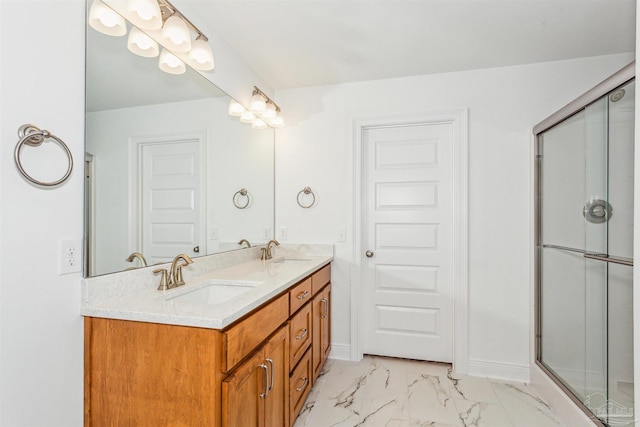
(242, 193)
(34, 137)
(306, 191)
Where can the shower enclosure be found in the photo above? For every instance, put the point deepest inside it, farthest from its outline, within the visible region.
(584, 259)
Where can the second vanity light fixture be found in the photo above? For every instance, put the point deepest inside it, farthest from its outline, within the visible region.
(156, 15)
(262, 112)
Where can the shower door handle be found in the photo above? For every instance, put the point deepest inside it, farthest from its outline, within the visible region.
(613, 260)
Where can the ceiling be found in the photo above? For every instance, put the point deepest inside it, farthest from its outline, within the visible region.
(316, 42)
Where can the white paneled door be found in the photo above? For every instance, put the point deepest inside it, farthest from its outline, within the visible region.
(171, 200)
(408, 241)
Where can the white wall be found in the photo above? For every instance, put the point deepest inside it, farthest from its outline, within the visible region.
(316, 149)
(42, 82)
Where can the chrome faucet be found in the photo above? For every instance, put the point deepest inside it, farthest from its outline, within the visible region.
(244, 241)
(266, 252)
(130, 258)
(175, 278)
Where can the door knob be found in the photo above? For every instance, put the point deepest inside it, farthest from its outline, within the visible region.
(369, 254)
(196, 249)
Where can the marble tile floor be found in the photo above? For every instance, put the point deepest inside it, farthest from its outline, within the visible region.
(388, 392)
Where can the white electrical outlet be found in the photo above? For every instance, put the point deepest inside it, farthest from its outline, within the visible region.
(70, 256)
(342, 234)
(283, 233)
(266, 233)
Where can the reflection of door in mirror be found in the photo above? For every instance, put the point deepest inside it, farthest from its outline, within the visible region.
(170, 197)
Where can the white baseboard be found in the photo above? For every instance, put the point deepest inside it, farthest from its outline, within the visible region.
(498, 370)
(340, 352)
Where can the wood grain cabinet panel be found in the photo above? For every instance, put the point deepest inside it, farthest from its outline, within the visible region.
(301, 333)
(300, 385)
(320, 278)
(299, 295)
(321, 343)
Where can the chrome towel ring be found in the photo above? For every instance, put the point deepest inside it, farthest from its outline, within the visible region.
(34, 137)
(237, 198)
(305, 192)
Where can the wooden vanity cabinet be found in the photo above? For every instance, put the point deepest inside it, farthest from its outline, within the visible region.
(248, 374)
(256, 393)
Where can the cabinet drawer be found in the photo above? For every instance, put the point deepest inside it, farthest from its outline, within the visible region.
(300, 334)
(299, 295)
(320, 278)
(300, 385)
(242, 338)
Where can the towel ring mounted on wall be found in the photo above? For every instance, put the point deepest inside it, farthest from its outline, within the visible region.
(237, 198)
(305, 192)
(34, 137)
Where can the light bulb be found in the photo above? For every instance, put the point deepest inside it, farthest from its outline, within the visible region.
(201, 55)
(176, 34)
(171, 64)
(258, 123)
(141, 44)
(258, 103)
(270, 112)
(145, 14)
(105, 20)
(247, 117)
(277, 122)
(235, 108)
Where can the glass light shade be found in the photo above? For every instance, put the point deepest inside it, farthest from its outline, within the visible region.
(145, 14)
(141, 44)
(176, 34)
(258, 123)
(277, 122)
(247, 117)
(258, 103)
(270, 112)
(201, 55)
(235, 108)
(103, 19)
(169, 63)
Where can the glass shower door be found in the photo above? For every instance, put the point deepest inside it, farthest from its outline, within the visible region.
(585, 182)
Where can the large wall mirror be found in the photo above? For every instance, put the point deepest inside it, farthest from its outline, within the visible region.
(168, 170)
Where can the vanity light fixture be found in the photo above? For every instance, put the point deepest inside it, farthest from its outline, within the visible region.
(169, 63)
(262, 113)
(145, 14)
(141, 44)
(103, 19)
(164, 23)
(176, 34)
(235, 108)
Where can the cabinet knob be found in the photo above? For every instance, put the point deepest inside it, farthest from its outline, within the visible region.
(369, 253)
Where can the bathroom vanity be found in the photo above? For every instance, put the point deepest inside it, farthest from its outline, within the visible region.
(182, 358)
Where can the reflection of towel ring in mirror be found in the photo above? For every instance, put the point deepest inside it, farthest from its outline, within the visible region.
(239, 194)
(34, 137)
(306, 191)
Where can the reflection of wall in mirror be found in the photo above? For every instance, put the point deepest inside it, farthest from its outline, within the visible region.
(237, 157)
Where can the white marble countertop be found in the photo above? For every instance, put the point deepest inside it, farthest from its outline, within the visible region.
(268, 278)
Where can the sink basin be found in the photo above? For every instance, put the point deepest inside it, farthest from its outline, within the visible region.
(213, 292)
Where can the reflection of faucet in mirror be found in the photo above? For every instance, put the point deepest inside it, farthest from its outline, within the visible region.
(244, 241)
(130, 258)
(175, 279)
(266, 252)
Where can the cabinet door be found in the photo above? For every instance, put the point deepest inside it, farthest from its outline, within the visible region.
(243, 393)
(321, 344)
(276, 352)
(301, 325)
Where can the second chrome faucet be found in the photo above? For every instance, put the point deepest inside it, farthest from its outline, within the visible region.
(174, 278)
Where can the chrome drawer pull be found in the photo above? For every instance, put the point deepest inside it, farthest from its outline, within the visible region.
(303, 333)
(303, 295)
(325, 311)
(305, 381)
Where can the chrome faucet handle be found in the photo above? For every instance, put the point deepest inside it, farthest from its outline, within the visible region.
(164, 282)
(178, 279)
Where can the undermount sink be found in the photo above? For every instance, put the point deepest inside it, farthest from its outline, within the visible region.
(213, 292)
